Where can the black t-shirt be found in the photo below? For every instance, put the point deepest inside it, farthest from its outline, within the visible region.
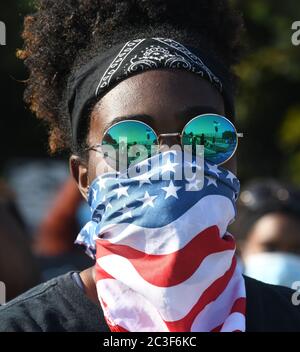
(61, 305)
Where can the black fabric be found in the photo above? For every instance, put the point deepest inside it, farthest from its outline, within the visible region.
(61, 305)
(90, 82)
(269, 308)
(56, 306)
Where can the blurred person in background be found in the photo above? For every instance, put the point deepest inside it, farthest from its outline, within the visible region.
(54, 238)
(268, 228)
(19, 270)
(53, 209)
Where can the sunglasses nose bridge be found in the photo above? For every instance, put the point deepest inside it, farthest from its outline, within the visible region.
(169, 139)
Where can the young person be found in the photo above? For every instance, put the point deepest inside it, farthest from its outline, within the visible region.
(151, 71)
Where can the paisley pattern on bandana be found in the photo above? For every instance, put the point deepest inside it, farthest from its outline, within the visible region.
(154, 53)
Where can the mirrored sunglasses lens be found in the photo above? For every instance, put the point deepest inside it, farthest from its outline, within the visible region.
(215, 133)
(131, 140)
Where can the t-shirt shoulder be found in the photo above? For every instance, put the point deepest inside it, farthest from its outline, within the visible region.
(20, 313)
(271, 307)
(57, 305)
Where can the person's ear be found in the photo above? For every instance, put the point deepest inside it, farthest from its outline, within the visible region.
(79, 171)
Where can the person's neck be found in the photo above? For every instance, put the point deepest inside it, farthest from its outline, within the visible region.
(88, 280)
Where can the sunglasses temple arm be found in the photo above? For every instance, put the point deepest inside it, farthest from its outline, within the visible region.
(240, 135)
(94, 148)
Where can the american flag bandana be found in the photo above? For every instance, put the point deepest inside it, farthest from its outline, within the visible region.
(164, 259)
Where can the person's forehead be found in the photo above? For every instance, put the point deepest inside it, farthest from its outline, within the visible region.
(158, 91)
(276, 225)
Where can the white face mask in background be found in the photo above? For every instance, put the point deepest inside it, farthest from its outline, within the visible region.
(277, 268)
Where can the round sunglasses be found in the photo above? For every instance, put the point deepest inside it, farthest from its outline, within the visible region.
(139, 141)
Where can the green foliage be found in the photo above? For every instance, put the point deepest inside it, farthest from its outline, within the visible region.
(268, 102)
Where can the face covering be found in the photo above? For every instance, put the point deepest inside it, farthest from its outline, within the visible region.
(164, 258)
(275, 268)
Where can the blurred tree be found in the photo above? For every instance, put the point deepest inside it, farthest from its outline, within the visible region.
(268, 106)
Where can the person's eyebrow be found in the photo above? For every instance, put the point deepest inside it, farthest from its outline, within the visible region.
(192, 111)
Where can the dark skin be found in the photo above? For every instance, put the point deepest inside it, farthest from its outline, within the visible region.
(273, 232)
(167, 99)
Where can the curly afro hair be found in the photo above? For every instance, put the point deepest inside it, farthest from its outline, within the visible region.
(63, 34)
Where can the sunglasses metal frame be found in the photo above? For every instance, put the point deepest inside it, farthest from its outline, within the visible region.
(238, 134)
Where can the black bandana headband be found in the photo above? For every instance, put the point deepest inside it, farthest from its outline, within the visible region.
(103, 72)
